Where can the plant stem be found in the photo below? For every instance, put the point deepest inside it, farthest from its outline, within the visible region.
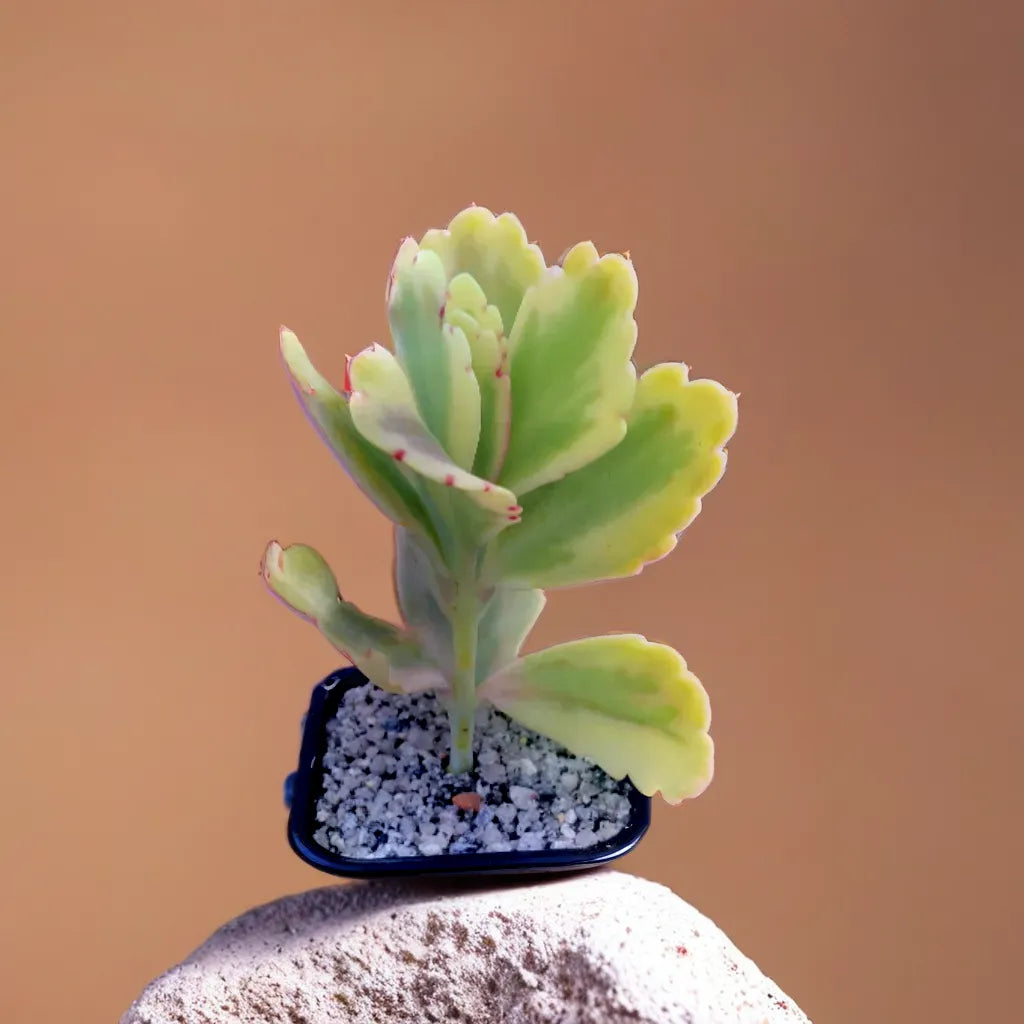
(462, 708)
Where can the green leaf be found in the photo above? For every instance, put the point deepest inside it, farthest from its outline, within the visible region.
(572, 378)
(422, 597)
(377, 475)
(468, 309)
(627, 508)
(506, 621)
(388, 656)
(629, 705)
(385, 413)
(433, 352)
(494, 251)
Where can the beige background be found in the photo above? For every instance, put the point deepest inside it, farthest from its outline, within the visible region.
(823, 203)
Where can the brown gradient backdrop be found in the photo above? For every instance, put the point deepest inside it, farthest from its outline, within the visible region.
(823, 205)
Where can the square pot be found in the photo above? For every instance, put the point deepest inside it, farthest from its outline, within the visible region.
(305, 787)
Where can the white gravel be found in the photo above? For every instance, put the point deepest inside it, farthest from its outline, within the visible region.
(387, 793)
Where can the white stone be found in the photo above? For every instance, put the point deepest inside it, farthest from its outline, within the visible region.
(585, 837)
(595, 948)
(522, 797)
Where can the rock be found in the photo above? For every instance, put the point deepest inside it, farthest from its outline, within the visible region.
(596, 948)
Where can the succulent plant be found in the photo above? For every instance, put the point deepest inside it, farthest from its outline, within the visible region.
(506, 434)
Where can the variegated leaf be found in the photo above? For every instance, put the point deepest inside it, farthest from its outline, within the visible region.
(569, 359)
(468, 309)
(423, 598)
(507, 619)
(388, 656)
(629, 705)
(374, 472)
(434, 353)
(627, 508)
(494, 251)
(385, 413)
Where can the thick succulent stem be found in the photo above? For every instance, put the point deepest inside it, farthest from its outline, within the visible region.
(462, 707)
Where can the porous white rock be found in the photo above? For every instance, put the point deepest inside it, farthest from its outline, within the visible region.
(597, 948)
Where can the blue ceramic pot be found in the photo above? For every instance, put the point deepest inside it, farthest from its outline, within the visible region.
(304, 787)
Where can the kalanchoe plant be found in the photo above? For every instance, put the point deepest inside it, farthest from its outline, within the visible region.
(506, 434)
